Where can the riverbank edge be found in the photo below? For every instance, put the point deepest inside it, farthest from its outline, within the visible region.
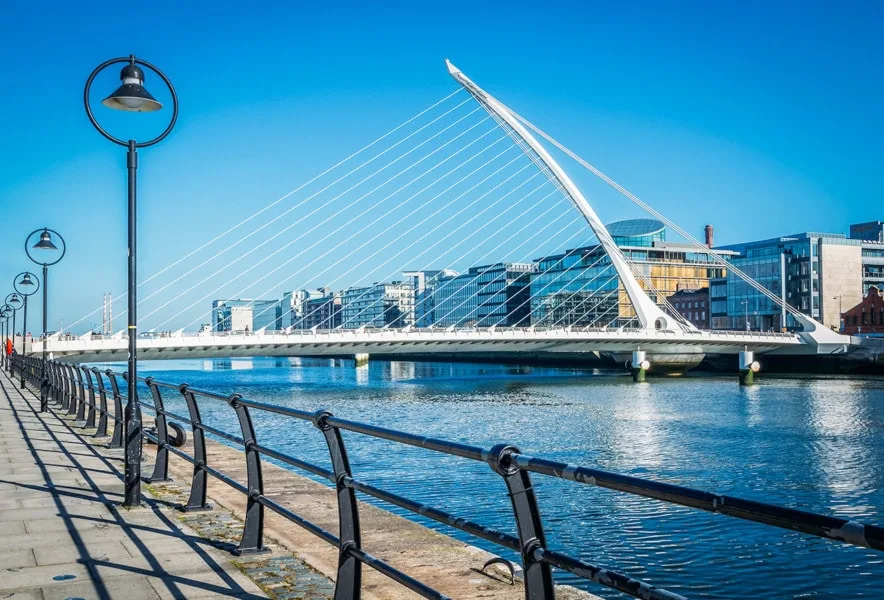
(438, 560)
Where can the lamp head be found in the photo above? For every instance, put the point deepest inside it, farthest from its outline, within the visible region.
(132, 96)
(26, 280)
(15, 298)
(45, 242)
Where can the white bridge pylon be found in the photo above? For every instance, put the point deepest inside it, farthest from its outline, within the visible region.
(649, 314)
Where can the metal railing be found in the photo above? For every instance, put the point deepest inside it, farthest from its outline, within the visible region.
(72, 389)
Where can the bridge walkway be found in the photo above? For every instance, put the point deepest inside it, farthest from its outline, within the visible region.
(62, 536)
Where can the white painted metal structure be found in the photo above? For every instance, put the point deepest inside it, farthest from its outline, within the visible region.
(649, 314)
(342, 342)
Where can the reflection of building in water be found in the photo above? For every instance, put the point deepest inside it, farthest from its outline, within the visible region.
(581, 287)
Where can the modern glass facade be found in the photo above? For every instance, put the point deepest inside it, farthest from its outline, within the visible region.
(378, 305)
(581, 287)
(819, 276)
(322, 313)
(489, 295)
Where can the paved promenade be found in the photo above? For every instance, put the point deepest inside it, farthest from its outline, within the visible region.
(62, 535)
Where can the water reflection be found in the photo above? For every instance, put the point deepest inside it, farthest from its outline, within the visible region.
(811, 444)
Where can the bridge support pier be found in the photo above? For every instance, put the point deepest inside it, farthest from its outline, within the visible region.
(639, 366)
(748, 367)
(361, 359)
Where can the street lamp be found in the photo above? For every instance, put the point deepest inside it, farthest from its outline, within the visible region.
(15, 302)
(5, 312)
(26, 284)
(131, 96)
(45, 244)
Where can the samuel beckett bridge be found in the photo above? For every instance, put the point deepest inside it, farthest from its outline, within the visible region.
(466, 181)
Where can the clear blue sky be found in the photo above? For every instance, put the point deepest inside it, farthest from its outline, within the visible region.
(761, 118)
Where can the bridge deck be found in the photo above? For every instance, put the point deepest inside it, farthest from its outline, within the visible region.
(61, 537)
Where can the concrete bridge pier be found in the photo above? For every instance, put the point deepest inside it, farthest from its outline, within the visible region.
(748, 367)
(361, 359)
(639, 366)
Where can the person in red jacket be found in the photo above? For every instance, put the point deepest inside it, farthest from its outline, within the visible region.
(8, 347)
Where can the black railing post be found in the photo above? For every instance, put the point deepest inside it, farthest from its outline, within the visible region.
(252, 541)
(56, 383)
(101, 431)
(197, 499)
(117, 437)
(348, 584)
(90, 416)
(81, 395)
(65, 388)
(161, 467)
(72, 408)
(537, 574)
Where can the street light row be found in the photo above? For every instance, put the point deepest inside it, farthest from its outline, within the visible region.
(130, 96)
(26, 284)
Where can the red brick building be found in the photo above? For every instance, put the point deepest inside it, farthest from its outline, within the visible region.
(867, 316)
(693, 305)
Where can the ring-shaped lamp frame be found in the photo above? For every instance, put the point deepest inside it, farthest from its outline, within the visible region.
(133, 61)
(15, 283)
(64, 246)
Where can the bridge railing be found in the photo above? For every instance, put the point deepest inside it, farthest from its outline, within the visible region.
(74, 384)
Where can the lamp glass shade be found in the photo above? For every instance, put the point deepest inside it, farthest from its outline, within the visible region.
(132, 96)
(45, 242)
(26, 280)
(14, 298)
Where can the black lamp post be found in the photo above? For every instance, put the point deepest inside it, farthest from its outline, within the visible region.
(5, 313)
(45, 243)
(131, 96)
(26, 284)
(14, 301)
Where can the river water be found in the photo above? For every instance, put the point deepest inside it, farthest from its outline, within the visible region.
(811, 443)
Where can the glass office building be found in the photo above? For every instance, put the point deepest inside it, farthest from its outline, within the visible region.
(378, 305)
(496, 294)
(822, 275)
(581, 287)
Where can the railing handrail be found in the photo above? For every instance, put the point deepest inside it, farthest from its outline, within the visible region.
(507, 461)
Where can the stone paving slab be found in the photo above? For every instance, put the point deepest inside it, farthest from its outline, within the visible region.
(61, 535)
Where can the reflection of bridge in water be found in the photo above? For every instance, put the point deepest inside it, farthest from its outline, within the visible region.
(655, 332)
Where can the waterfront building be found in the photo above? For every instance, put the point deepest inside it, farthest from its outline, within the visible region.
(581, 287)
(867, 317)
(260, 314)
(873, 231)
(292, 306)
(321, 313)
(815, 273)
(693, 305)
(496, 294)
(872, 265)
(422, 283)
(378, 305)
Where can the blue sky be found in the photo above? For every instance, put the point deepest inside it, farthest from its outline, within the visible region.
(760, 118)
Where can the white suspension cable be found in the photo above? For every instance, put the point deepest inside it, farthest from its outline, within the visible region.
(394, 225)
(327, 219)
(669, 223)
(462, 225)
(416, 225)
(297, 189)
(489, 267)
